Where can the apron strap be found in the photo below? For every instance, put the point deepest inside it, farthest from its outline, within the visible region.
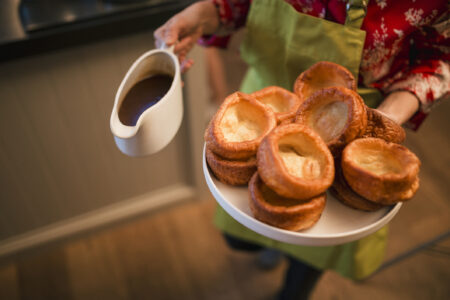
(356, 11)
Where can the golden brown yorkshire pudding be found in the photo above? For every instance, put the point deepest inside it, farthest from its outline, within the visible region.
(337, 114)
(380, 126)
(238, 127)
(342, 191)
(295, 162)
(290, 214)
(322, 75)
(380, 171)
(284, 103)
(234, 172)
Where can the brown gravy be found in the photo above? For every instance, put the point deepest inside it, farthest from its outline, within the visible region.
(143, 95)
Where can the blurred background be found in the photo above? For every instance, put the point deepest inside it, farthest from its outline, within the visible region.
(80, 220)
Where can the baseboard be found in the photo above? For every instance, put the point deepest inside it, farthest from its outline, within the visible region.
(101, 217)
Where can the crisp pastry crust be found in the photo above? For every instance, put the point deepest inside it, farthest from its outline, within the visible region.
(234, 172)
(238, 127)
(287, 121)
(382, 127)
(322, 75)
(342, 191)
(337, 114)
(295, 162)
(275, 210)
(380, 171)
(284, 103)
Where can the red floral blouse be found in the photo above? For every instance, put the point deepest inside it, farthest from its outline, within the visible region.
(407, 43)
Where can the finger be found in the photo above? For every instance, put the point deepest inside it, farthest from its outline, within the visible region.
(186, 65)
(158, 43)
(167, 34)
(181, 58)
(171, 33)
(184, 45)
(182, 55)
(159, 35)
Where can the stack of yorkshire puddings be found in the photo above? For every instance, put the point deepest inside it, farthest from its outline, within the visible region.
(291, 147)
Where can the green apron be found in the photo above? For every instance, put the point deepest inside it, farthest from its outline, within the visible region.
(279, 45)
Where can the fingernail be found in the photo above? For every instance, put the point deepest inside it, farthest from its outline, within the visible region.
(170, 38)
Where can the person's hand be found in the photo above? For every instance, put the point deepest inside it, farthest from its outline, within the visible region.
(399, 106)
(186, 27)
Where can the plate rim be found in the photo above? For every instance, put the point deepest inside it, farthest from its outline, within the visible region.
(288, 235)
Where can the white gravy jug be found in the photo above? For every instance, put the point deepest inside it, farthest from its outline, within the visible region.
(158, 124)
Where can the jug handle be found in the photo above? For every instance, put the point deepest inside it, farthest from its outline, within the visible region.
(168, 48)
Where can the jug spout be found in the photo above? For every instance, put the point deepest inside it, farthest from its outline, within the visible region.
(120, 130)
(126, 137)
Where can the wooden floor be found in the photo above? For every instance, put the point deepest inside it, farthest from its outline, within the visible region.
(177, 253)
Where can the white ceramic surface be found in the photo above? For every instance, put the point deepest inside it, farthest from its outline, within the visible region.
(338, 224)
(157, 125)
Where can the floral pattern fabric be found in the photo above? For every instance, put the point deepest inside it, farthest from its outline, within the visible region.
(407, 44)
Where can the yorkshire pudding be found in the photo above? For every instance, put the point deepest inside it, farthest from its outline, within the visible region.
(284, 103)
(337, 114)
(380, 171)
(382, 127)
(290, 214)
(322, 75)
(238, 127)
(295, 162)
(234, 172)
(347, 196)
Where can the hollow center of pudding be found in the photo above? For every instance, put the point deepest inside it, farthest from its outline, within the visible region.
(299, 156)
(242, 122)
(278, 103)
(330, 119)
(377, 161)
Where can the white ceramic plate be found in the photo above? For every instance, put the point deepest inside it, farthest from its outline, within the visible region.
(338, 224)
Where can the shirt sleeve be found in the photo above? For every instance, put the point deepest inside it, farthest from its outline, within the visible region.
(428, 76)
(232, 15)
